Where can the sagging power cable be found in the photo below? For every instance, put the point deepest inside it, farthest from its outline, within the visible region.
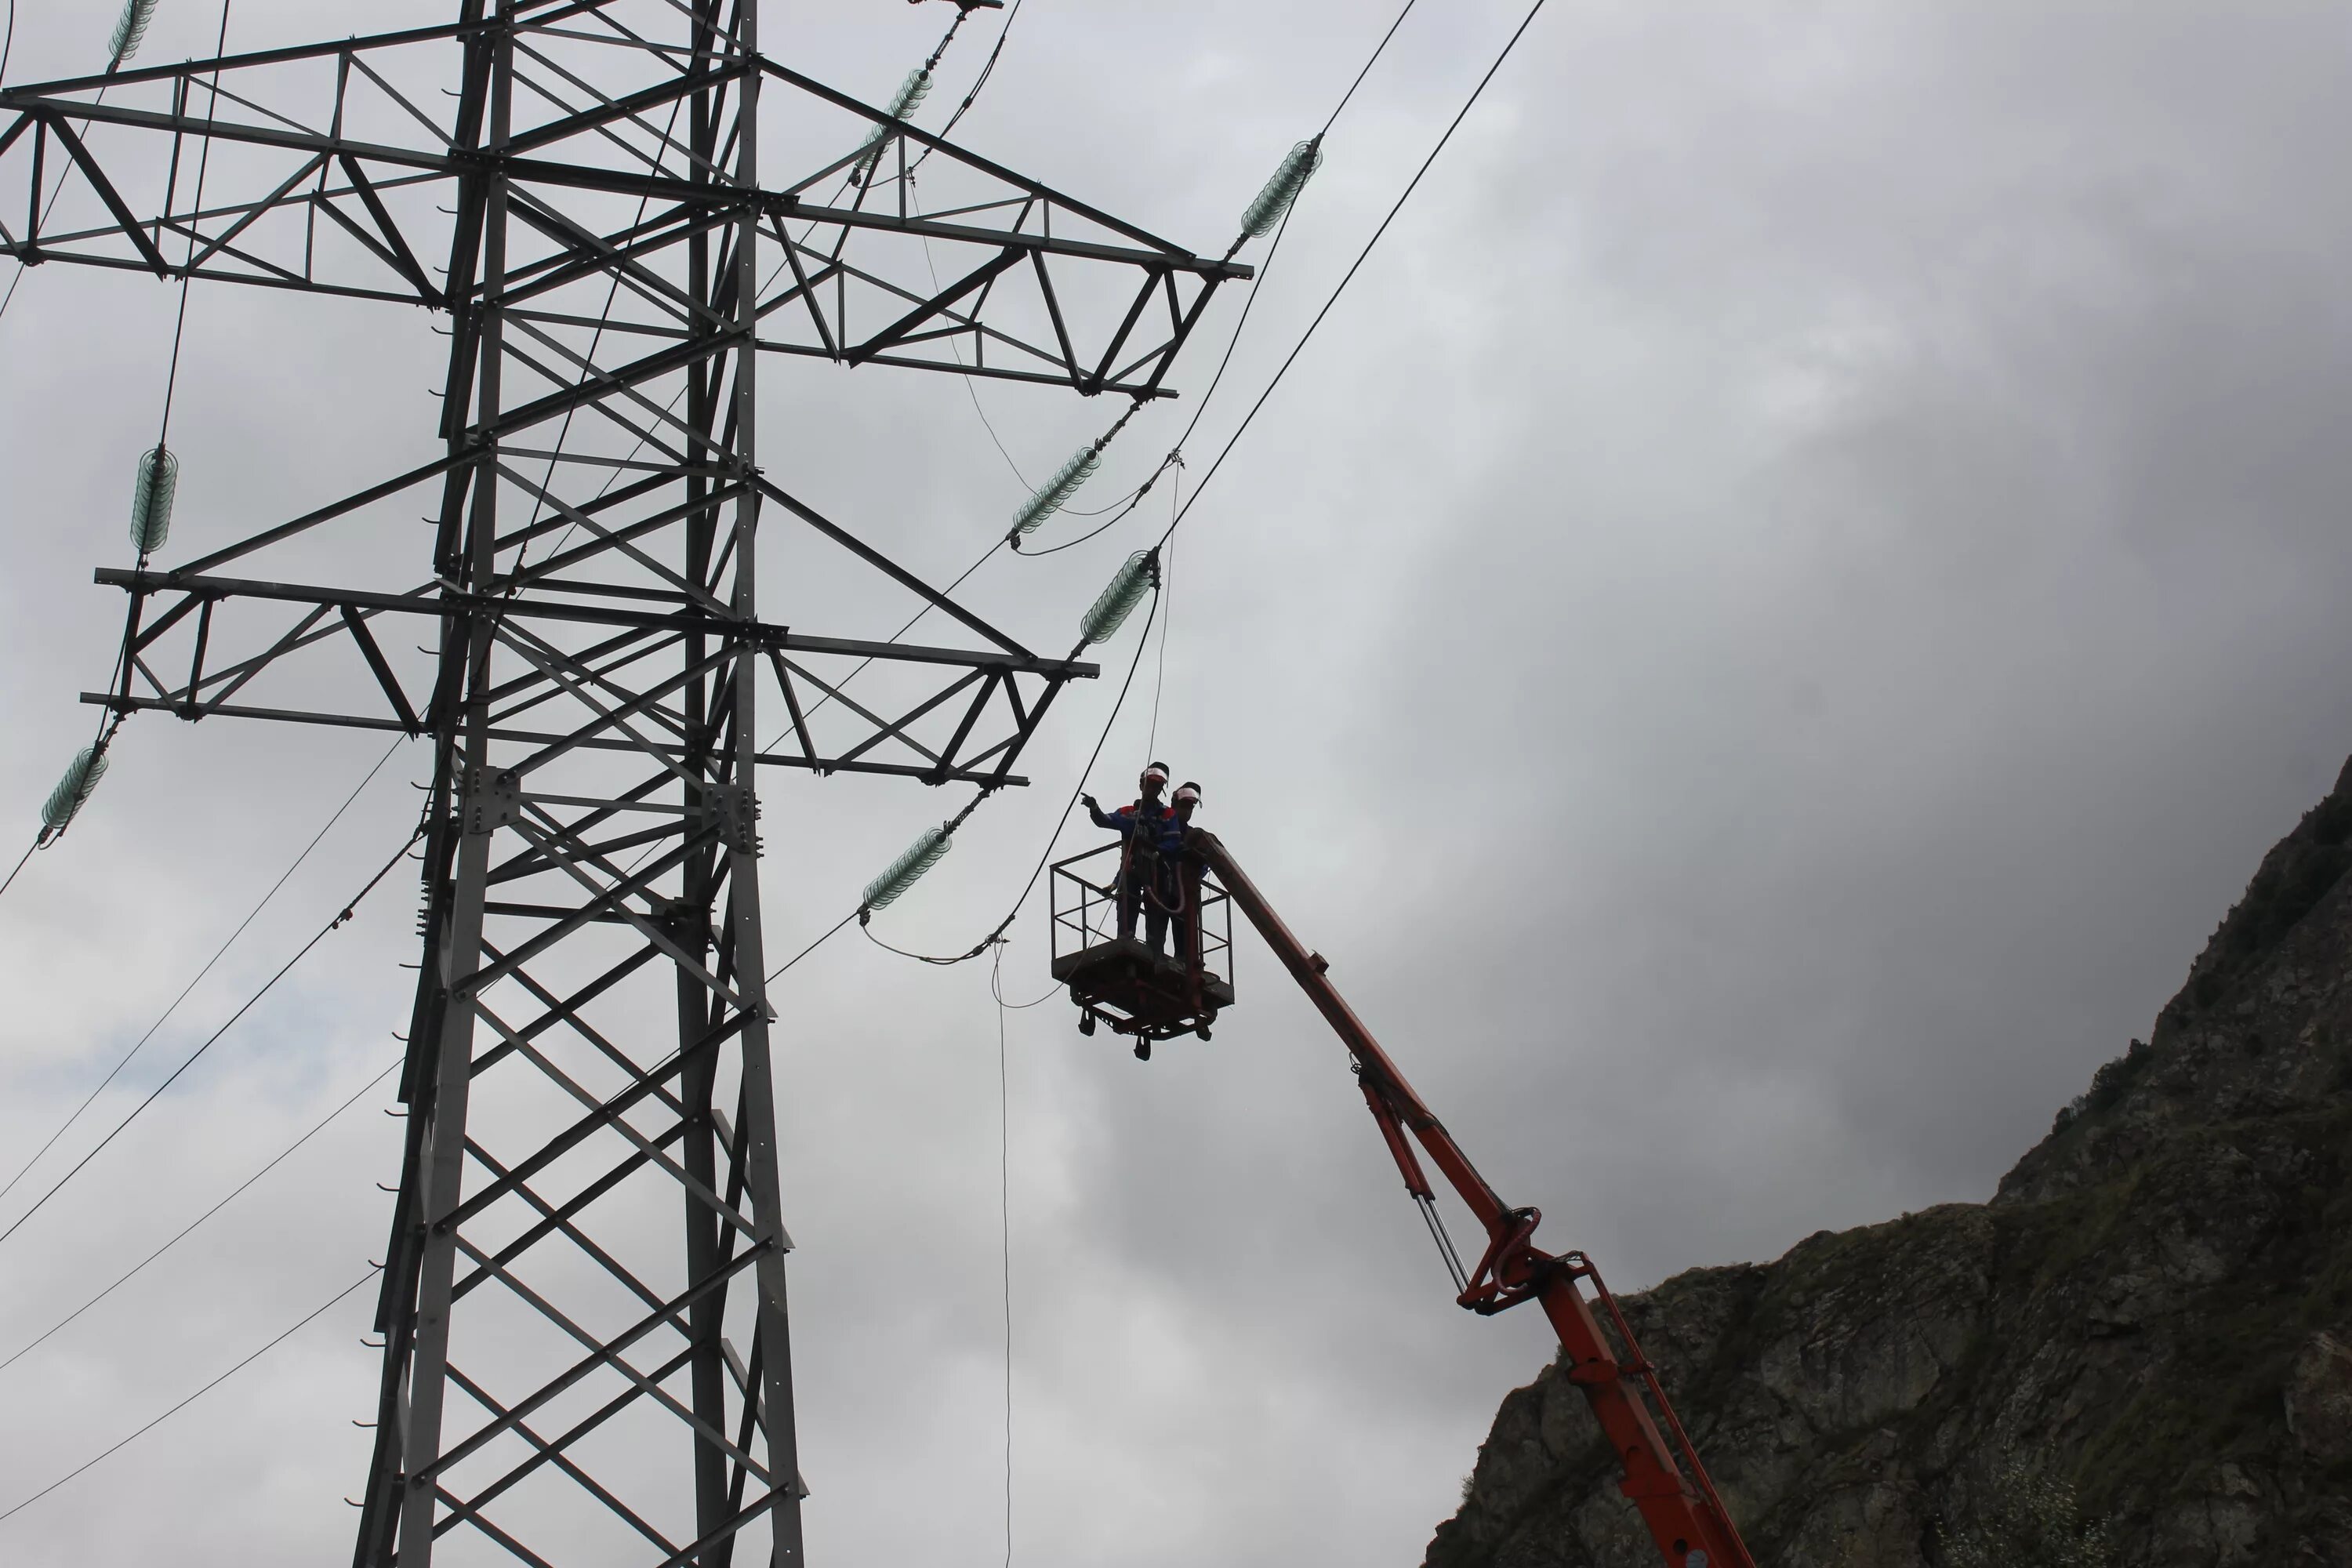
(185, 1231)
(344, 915)
(1410, 186)
(922, 847)
(314, 1316)
(1271, 210)
(996, 986)
(218, 953)
(1276, 202)
(1061, 821)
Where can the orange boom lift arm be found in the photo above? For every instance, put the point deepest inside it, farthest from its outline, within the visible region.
(1663, 1473)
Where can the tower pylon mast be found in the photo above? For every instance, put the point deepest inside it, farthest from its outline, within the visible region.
(570, 1372)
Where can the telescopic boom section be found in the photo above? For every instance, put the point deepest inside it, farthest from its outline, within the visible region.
(1663, 1473)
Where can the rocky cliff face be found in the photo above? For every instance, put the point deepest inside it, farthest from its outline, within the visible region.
(2157, 1303)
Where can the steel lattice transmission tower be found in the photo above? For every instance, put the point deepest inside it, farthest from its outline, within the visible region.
(586, 1353)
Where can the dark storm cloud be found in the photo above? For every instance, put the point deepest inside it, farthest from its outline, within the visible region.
(1760, 637)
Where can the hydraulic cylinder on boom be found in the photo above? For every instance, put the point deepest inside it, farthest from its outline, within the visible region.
(1663, 1474)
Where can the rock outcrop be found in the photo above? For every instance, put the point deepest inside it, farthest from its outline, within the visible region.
(2156, 1304)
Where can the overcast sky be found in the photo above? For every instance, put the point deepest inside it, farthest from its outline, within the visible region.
(1763, 633)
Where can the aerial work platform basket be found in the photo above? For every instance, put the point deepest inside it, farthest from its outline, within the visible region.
(1117, 980)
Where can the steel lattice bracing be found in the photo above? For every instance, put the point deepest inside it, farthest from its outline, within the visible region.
(572, 1375)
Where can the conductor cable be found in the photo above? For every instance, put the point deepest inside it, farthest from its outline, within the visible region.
(1355, 266)
(1249, 303)
(1029, 887)
(275, 1161)
(332, 925)
(218, 953)
(314, 1316)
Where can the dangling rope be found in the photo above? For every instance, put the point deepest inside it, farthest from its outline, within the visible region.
(187, 269)
(161, 473)
(1004, 1228)
(1167, 619)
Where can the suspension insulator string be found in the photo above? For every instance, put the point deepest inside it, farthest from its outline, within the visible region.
(156, 482)
(904, 102)
(1280, 190)
(927, 849)
(152, 494)
(1137, 575)
(64, 802)
(1019, 902)
(1055, 492)
(909, 98)
(930, 848)
(128, 29)
(121, 46)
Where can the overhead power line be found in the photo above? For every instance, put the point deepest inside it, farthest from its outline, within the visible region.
(182, 1235)
(1127, 502)
(701, 793)
(218, 953)
(1377, 49)
(157, 1091)
(1142, 642)
(1174, 458)
(1411, 185)
(108, 1453)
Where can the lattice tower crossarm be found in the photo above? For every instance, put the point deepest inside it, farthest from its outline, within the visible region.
(571, 1374)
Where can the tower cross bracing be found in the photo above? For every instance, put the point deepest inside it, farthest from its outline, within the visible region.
(587, 1354)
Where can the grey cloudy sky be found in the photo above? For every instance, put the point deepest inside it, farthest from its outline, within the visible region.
(1761, 637)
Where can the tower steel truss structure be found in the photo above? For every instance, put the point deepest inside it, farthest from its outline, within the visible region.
(570, 1372)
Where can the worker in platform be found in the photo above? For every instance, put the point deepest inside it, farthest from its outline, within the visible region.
(1186, 910)
(1142, 827)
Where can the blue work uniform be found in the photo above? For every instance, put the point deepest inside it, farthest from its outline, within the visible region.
(1146, 865)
